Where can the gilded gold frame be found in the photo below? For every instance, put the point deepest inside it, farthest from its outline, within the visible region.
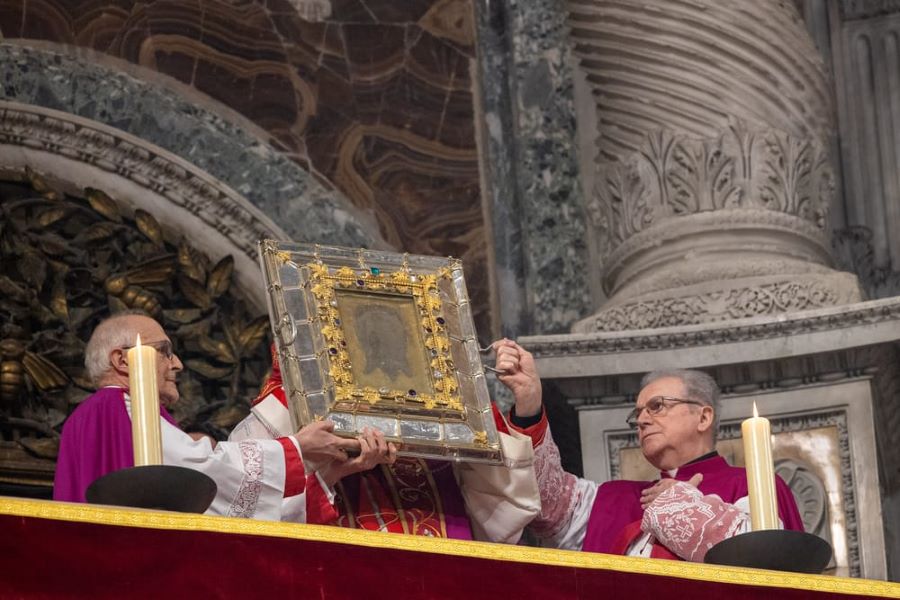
(381, 340)
(326, 285)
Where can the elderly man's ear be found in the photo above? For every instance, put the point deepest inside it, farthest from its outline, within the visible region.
(706, 418)
(118, 359)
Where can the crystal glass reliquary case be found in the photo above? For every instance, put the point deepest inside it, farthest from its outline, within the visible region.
(380, 340)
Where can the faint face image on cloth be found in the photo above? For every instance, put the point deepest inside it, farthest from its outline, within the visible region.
(384, 341)
(380, 330)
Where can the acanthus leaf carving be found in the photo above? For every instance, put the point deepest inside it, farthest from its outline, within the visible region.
(705, 178)
(788, 172)
(658, 158)
(624, 201)
(674, 175)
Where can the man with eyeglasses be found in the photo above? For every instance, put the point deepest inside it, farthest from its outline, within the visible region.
(256, 478)
(698, 501)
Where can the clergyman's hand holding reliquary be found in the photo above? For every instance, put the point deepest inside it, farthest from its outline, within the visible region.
(380, 340)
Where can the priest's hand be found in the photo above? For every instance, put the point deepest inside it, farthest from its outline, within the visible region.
(373, 450)
(519, 373)
(652, 493)
(319, 446)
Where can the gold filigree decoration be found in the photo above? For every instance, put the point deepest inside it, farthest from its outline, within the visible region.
(282, 256)
(325, 283)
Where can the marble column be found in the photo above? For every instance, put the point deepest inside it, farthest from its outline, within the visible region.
(713, 177)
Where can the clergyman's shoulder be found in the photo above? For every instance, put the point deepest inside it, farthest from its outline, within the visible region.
(100, 400)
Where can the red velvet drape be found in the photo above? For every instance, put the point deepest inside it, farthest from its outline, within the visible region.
(44, 558)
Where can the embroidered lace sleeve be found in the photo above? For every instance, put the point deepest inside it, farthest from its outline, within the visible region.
(688, 523)
(566, 500)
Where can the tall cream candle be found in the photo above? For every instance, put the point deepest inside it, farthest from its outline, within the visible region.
(760, 472)
(142, 388)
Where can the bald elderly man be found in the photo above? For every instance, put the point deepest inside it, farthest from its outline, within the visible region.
(256, 478)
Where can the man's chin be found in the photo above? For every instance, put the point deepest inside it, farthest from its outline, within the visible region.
(647, 440)
(649, 449)
(168, 400)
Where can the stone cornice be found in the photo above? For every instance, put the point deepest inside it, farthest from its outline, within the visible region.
(806, 332)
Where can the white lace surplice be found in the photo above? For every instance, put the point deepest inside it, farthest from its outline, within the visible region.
(249, 474)
(268, 420)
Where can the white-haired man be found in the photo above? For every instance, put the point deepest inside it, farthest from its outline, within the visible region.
(698, 501)
(255, 478)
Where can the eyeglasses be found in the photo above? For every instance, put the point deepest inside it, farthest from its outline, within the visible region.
(656, 405)
(164, 347)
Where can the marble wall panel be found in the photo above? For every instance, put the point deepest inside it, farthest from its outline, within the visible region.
(376, 101)
(232, 151)
(541, 257)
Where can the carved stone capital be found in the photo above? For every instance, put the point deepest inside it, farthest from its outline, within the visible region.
(674, 175)
(713, 177)
(693, 228)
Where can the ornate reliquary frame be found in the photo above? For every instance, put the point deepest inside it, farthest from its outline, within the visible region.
(381, 340)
